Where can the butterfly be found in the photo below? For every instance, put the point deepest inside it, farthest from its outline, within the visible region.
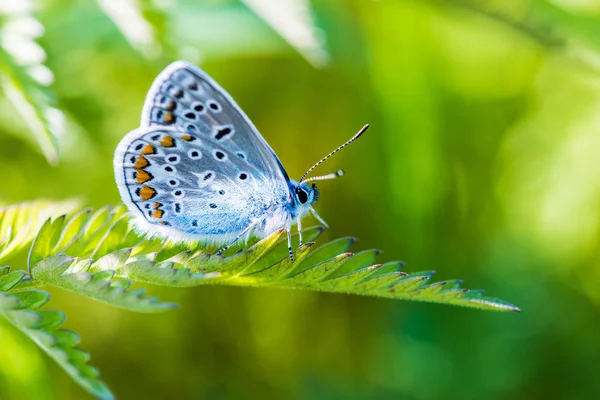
(198, 170)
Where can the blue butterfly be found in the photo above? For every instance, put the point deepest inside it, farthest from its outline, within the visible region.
(197, 168)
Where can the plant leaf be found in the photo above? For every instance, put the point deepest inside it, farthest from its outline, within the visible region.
(42, 326)
(141, 22)
(20, 224)
(83, 235)
(100, 263)
(25, 78)
(97, 255)
(293, 20)
(101, 285)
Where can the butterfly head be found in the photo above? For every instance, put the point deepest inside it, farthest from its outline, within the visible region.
(306, 195)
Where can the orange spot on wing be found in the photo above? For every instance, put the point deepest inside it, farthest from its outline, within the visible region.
(169, 117)
(157, 213)
(141, 162)
(143, 176)
(167, 141)
(147, 193)
(187, 138)
(156, 205)
(148, 149)
(171, 106)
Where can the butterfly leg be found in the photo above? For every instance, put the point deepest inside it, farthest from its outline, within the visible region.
(318, 217)
(245, 231)
(289, 237)
(299, 220)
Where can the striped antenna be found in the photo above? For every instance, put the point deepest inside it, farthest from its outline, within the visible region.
(352, 139)
(336, 174)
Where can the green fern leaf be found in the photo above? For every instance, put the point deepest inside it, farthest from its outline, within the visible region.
(294, 21)
(83, 235)
(20, 224)
(42, 326)
(60, 271)
(103, 263)
(81, 275)
(97, 255)
(150, 35)
(25, 79)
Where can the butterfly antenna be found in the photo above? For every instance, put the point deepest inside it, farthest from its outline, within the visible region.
(335, 174)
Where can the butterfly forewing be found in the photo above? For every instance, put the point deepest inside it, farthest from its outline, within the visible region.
(197, 166)
(185, 97)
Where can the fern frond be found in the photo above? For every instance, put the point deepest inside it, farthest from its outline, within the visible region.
(20, 224)
(97, 255)
(74, 275)
(25, 78)
(329, 267)
(294, 21)
(42, 326)
(142, 23)
(85, 234)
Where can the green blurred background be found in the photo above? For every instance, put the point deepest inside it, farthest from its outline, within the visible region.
(481, 163)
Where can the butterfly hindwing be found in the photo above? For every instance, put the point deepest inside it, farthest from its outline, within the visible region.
(178, 181)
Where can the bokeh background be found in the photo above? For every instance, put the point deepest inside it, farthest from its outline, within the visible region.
(481, 163)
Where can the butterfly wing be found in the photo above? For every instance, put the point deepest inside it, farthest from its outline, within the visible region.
(185, 97)
(197, 168)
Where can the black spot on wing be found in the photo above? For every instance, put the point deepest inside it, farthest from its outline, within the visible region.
(223, 132)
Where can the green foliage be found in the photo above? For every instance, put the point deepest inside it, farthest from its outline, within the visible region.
(25, 78)
(99, 286)
(481, 161)
(302, 34)
(96, 255)
(29, 218)
(21, 308)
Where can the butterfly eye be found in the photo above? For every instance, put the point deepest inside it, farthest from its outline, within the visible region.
(302, 196)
